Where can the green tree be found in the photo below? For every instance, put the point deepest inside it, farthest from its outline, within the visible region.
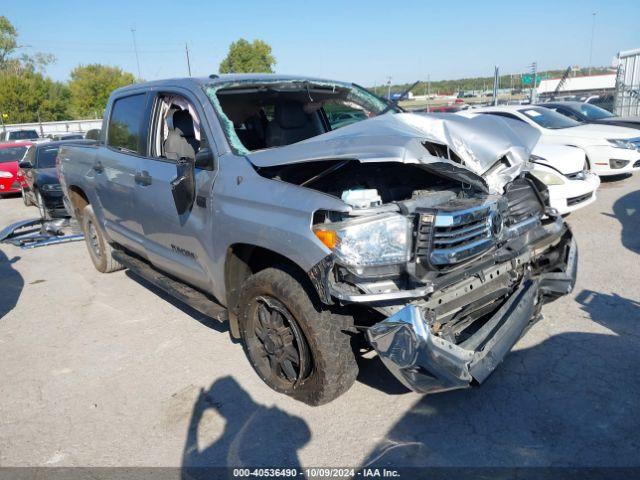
(28, 96)
(9, 61)
(8, 40)
(91, 85)
(245, 57)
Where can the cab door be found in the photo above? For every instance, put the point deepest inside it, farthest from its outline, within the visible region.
(115, 169)
(175, 243)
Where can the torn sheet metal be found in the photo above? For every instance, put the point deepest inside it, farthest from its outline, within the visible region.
(480, 143)
(34, 233)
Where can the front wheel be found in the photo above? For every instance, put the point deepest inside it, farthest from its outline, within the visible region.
(296, 348)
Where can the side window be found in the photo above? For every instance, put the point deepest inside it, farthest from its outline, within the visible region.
(177, 131)
(568, 113)
(125, 130)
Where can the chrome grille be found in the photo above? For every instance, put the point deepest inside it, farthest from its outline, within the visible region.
(457, 235)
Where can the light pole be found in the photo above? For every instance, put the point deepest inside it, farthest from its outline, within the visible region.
(186, 49)
(593, 30)
(388, 88)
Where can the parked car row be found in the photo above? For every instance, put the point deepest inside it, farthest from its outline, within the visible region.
(33, 136)
(577, 141)
(30, 169)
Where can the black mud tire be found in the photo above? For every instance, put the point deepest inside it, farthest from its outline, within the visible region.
(330, 368)
(100, 251)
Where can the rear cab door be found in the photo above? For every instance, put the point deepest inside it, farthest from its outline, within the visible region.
(116, 166)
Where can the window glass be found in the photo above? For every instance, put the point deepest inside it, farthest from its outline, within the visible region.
(13, 154)
(47, 157)
(548, 118)
(23, 135)
(593, 112)
(125, 130)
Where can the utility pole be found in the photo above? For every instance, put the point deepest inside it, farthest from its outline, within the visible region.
(593, 30)
(496, 85)
(40, 123)
(186, 49)
(135, 49)
(534, 74)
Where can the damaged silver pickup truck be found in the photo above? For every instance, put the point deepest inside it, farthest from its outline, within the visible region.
(321, 221)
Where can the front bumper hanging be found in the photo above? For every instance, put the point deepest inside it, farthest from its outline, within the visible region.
(427, 363)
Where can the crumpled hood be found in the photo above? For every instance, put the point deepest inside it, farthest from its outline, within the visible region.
(479, 142)
(563, 158)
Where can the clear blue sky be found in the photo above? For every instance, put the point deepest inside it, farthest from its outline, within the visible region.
(362, 41)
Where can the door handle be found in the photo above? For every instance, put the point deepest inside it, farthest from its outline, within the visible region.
(143, 178)
(98, 167)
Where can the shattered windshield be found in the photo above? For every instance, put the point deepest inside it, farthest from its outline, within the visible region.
(269, 114)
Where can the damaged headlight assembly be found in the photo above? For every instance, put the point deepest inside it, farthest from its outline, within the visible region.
(547, 178)
(368, 242)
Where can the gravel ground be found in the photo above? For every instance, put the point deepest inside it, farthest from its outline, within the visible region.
(102, 370)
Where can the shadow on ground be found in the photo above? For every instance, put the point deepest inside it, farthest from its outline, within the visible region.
(183, 307)
(253, 434)
(627, 211)
(570, 401)
(11, 284)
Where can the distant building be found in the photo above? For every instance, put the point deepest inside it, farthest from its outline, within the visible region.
(582, 86)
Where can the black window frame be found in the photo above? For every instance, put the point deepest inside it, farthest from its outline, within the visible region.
(36, 158)
(143, 127)
(154, 104)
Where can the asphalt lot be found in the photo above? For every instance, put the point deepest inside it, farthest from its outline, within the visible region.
(101, 370)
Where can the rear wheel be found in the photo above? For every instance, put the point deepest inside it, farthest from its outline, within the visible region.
(296, 348)
(100, 251)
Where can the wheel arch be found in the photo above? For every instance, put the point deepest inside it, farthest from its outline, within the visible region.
(243, 260)
(78, 199)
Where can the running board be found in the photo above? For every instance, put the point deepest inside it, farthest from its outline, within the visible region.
(178, 290)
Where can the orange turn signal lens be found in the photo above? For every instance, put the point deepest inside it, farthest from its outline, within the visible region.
(328, 237)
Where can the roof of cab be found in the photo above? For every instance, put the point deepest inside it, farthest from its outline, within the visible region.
(218, 79)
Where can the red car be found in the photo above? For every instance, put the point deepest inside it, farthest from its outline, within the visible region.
(10, 154)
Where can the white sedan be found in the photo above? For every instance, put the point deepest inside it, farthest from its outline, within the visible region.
(564, 171)
(610, 150)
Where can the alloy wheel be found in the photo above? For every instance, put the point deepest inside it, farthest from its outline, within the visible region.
(276, 345)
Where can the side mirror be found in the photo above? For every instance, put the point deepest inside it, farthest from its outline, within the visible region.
(25, 165)
(183, 187)
(204, 158)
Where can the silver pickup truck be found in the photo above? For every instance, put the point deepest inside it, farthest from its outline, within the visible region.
(321, 221)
